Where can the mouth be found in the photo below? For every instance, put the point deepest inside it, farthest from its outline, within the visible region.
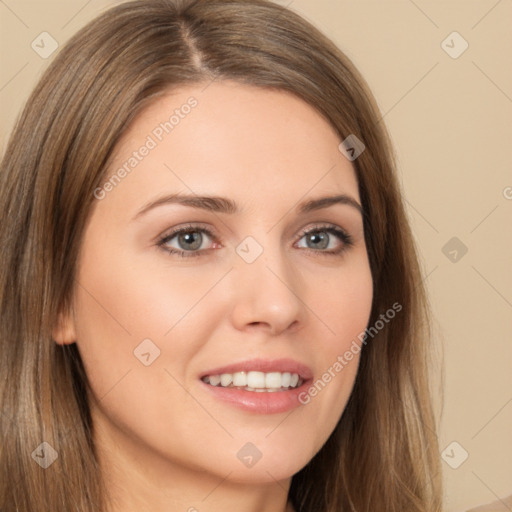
(256, 381)
(259, 386)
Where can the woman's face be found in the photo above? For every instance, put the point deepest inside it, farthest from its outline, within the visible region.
(265, 288)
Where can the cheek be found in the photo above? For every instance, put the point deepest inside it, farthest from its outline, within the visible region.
(342, 303)
(343, 307)
(139, 328)
(136, 300)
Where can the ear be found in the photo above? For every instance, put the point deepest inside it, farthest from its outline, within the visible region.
(64, 332)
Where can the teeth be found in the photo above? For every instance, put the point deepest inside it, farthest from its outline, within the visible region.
(286, 379)
(226, 379)
(239, 379)
(273, 380)
(215, 380)
(255, 381)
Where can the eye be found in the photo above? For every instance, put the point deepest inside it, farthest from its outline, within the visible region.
(327, 239)
(187, 241)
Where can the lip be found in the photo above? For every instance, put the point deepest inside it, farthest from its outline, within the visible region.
(260, 402)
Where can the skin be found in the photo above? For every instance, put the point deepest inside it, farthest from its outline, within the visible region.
(164, 443)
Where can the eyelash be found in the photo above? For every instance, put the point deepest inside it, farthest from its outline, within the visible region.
(341, 234)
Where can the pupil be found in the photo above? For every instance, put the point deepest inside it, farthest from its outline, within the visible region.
(192, 239)
(319, 238)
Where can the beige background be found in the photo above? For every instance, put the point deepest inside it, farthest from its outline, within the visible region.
(450, 119)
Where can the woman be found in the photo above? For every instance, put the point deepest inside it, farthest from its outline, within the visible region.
(210, 293)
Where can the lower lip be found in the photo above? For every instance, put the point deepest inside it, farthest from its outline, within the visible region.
(259, 402)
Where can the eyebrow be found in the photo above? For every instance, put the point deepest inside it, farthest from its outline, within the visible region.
(224, 205)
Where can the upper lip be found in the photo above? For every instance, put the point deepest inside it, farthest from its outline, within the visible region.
(265, 366)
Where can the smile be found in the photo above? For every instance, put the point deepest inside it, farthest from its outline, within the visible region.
(256, 381)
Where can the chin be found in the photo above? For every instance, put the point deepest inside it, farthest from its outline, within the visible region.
(270, 464)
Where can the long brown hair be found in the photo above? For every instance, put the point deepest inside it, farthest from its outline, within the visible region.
(383, 454)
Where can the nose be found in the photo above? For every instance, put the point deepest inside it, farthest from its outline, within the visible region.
(267, 296)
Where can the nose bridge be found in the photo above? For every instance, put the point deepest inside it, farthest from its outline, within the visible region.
(266, 287)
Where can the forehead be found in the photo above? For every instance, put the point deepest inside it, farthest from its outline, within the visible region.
(231, 139)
